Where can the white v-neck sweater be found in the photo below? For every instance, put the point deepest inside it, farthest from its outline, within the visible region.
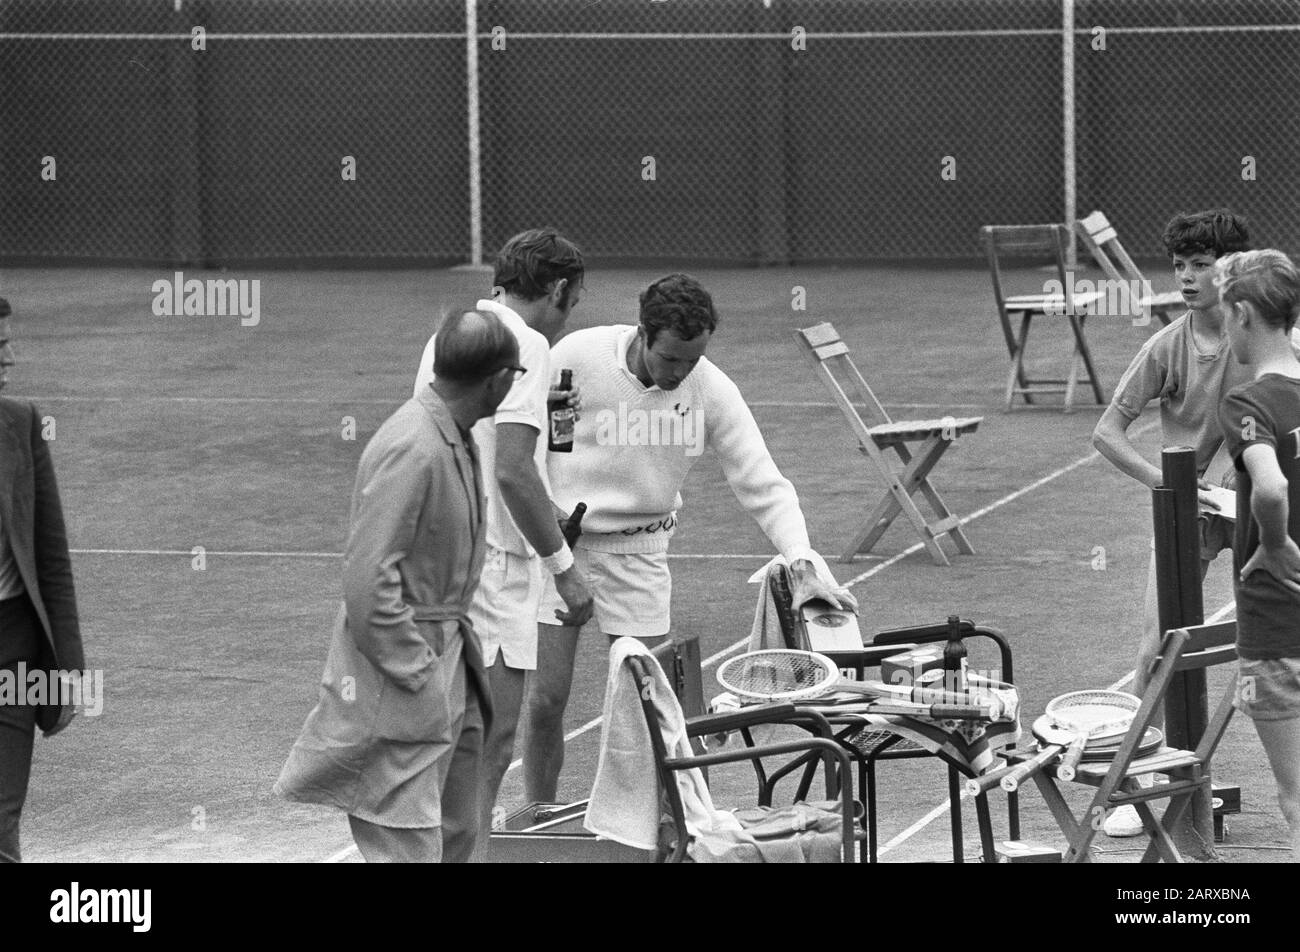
(634, 445)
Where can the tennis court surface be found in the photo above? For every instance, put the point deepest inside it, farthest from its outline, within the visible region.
(206, 468)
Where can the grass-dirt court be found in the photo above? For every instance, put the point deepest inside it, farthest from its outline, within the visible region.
(180, 432)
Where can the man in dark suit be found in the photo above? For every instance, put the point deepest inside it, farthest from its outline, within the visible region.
(38, 605)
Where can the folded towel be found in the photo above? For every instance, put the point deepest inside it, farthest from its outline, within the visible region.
(625, 799)
(766, 631)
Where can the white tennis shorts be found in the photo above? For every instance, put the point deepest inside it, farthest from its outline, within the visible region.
(632, 592)
(504, 608)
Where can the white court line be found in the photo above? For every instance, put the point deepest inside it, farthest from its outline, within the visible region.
(900, 406)
(1221, 614)
(395, 401)
(750, 556)
(576, 732)
(342, 854)
(943, 807)
(915, 828)
(214, 552)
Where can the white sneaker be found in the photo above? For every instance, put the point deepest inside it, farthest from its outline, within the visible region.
(1123, 821)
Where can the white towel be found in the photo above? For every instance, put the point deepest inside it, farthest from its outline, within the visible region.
(766, 630)
(625, 799)
(765, 633)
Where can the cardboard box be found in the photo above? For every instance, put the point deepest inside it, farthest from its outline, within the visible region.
(1026, 851)
(910, 667)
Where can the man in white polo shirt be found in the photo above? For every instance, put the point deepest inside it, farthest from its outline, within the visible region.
(538, 281)
(651, 402)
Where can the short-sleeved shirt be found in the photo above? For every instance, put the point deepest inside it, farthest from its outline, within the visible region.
(1264, 412)
(1189, 384)
(525, 403)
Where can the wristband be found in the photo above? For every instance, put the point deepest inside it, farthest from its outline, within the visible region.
(559, 561)
(801, 553)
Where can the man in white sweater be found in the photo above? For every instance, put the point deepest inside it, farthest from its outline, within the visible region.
(538, 280)
(651, 402)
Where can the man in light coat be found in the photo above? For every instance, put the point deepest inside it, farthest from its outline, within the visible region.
(396, 737)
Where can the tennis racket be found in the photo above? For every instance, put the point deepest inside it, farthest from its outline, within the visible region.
(1090, 715)
(1074, 719)
(784, 675)
(1097, 751)
(886, 705)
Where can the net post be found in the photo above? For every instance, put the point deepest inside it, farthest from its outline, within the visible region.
(1178, 587)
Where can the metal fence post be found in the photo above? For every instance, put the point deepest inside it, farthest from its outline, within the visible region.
(186, 184)
(475, 144)
(1069, 169)
(772, 77)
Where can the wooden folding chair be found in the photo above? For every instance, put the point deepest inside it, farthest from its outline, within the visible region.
(1043, 243)
(830, 356)
(1116, 782)
(1102, 242)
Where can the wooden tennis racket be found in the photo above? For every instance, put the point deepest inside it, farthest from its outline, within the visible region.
(1074, 719)
(888, 705)
(1100, 750)
(782, 674)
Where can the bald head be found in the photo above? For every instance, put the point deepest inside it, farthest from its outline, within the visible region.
(471, 346)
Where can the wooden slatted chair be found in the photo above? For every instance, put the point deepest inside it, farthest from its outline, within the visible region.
(879, 434)
(1042, 244)
(1116, 783)
(1102, 242)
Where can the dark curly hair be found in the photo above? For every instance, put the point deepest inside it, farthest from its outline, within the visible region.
(1216, 232)
(680, 303)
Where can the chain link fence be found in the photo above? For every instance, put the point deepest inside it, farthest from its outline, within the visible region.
(1190, 106)
(741, 131)
(287, 130)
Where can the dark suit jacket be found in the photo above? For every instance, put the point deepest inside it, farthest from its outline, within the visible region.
(31, 519)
